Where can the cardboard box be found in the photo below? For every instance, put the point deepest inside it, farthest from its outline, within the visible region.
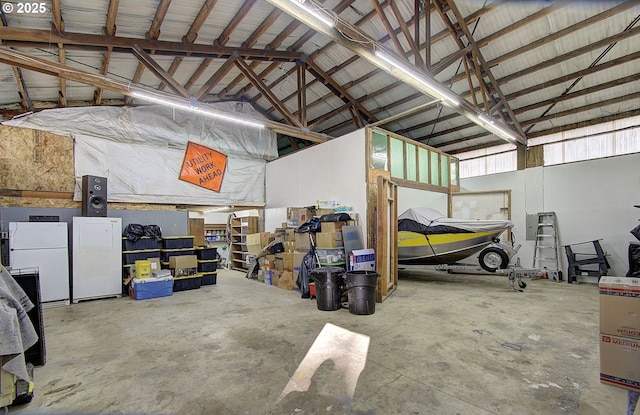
(155, 266)
(254, 243)
(332, 226)
(362, 260)
(183, 265)
(329, 239)
(620, 307)
(620, 332)
(266, 238)
(619, 357)
(286, 261)
(303, 242)
(297, 216)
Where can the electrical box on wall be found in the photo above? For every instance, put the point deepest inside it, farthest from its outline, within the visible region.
(532, 226)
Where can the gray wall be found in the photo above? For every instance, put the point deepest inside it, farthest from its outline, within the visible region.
(172, 223)
(592, 199)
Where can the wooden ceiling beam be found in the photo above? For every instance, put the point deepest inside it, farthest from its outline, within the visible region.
(220, 41)
(58, 25)
(586, 123)
(15, 37)
(191, 36)
(109, 29)
(214, 79)
(407, 35)
(41, 65)
(266, 92)
(25, 100)
(152, 34)
(575, 110)
(157, 70)
(338, 90)
(387, 25)
(586, 91)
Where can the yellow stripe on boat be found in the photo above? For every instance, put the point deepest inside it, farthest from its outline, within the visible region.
(410, 239)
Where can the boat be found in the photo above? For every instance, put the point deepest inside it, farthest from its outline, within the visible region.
(427, 237)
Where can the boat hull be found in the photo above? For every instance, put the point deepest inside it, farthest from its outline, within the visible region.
(418, 249)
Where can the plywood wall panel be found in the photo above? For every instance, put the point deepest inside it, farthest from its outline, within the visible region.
(35, 160)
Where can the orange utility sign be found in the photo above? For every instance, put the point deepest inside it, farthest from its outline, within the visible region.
(203, 166)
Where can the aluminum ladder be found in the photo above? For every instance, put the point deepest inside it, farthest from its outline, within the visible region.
(546, 255)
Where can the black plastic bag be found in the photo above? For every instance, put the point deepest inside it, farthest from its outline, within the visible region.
(307, 265)
(335, 217)
(133, 232)
(312, 226)
(153, 231)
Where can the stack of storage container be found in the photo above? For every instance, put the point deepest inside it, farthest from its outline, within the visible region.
(178, 255)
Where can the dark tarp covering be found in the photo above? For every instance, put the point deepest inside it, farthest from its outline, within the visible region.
(410, 225)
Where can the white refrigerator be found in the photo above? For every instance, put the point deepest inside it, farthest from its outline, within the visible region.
(97, 258)
(43, 245)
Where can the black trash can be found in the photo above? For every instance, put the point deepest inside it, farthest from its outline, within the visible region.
(329, 284)
(361, 291)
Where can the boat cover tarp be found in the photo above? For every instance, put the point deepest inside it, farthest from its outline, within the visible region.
(429, 221)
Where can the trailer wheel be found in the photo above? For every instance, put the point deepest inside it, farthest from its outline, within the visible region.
(493, 258)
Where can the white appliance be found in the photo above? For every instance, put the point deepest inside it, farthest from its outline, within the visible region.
(43, 245)
(97, 258)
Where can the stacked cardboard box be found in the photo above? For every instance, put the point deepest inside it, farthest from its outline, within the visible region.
(620, 332)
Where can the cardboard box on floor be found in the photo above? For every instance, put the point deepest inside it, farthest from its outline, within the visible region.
(183, 265)
(620, 332)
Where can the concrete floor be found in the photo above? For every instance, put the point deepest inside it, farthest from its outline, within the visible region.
(440, 344)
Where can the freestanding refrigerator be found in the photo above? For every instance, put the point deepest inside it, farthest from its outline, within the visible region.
(43, 245)
(97, 258)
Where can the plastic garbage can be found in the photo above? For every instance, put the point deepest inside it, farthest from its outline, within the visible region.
(329, 283)
(361, 291)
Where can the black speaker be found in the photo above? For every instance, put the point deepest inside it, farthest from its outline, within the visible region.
(94, 196)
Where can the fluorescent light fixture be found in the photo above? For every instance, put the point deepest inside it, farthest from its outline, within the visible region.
(314, 10)
(194, 107)
(434, 88)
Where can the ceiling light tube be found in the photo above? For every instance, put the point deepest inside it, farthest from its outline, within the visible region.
(194, 107)
(434, 87)
(315, 10)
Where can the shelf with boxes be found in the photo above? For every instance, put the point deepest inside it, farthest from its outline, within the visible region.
(145, 248)
(241, 228)
(215, 234)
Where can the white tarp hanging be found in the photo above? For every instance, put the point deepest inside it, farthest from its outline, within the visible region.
(140, 151)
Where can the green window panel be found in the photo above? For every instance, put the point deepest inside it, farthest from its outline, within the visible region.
(455, 177)
(444, 169)
(379, 151)
(412, 168)
(423, 164)
(435, 168)
(397, 158)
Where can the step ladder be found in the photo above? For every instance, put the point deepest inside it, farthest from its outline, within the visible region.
(546, 249)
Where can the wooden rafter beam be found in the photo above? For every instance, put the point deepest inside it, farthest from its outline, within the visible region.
(15, 37)
(45, 66)
(407, 35)
(25, 100)
(387, 25)
(58, 25)
(152, 34)
(338, 90)
(220, 41)
(191, 35)
(266, 92)
(214, 79)
(109, 29)
(157, 70)
(302, 93)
